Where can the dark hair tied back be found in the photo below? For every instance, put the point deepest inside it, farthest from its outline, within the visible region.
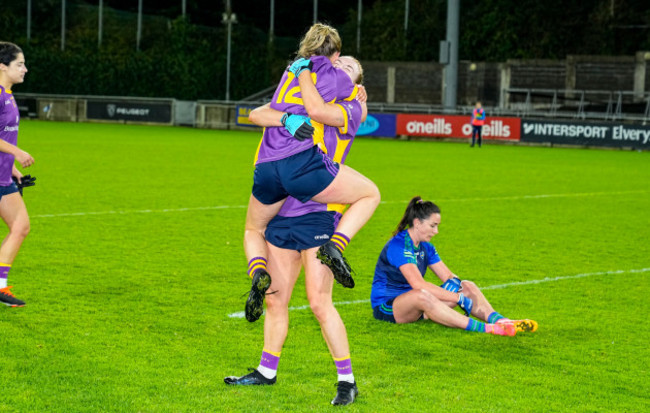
(8, 52)
(417, 208)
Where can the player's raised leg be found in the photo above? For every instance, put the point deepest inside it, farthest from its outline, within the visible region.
(349, 187)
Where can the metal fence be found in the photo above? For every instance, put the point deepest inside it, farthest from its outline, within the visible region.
(579, 104)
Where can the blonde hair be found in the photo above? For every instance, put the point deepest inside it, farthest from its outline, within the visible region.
(320, 40)
(359, 79)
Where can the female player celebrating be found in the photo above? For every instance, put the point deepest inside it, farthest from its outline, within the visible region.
(294, 236)
(12, 208)
(287, 166)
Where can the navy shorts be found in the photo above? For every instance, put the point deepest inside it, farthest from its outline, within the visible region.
(384, 312)
(303, 176)
(8, 190)
(303, 232)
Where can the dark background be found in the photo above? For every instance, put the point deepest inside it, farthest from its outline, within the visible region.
(186, 58)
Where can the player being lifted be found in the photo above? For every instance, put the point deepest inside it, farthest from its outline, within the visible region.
(289, 162)
(294, 236)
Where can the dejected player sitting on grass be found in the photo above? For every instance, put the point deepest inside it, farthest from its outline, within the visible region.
(401, 295)
(12, 208)
(293, 239)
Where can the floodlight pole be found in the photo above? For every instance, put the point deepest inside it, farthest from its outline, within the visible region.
(184, 7)
(100, 19)
(359, 26)
(315, 11)
(406, 23)
(228, 18)
(451, 70)
(272, 22)
(29, 20)
(139, 29)
(63, 25)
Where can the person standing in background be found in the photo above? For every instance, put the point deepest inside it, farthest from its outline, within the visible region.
(478, 120)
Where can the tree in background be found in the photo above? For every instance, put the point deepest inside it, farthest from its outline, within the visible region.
(184, 58)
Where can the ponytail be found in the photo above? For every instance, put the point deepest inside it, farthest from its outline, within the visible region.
(417, 208)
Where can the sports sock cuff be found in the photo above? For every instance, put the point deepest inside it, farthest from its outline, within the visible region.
(4, 271)
(477, 326)
(340, 240)
(275, 353)
(494, 317)
(257, 263)
(343, 366)
(269, 361)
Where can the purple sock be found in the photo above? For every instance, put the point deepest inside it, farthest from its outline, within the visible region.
(344, 369)
(4, 274)
(269, 364)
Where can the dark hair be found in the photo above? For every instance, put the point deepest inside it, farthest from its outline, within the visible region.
(8, 52)
(419, 209)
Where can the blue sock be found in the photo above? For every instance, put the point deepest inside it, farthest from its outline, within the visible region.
(474, 325)
(494, 317)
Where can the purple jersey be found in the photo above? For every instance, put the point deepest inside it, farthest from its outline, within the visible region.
(336, 145)
(9, 119)
(332, 84)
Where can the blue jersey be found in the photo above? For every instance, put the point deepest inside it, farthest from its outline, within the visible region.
(389, 281)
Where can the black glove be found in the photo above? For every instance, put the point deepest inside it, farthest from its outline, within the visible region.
(25, 181)
(298, 126)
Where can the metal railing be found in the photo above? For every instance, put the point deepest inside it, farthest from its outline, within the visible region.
(580, 104)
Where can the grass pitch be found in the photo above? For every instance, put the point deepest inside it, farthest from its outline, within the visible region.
(135, 265)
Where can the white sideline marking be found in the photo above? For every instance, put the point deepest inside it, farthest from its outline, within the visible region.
(207, 208)
(141, 211)
(241, 314)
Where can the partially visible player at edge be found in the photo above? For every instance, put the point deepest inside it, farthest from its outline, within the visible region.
(12, 208)
(401, 295)
(284, 155)
(294, 236)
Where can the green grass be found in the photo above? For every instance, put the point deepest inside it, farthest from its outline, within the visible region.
(135, 262)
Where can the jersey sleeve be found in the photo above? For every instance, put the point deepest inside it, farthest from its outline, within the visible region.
(398, 255)
(432, 254)
(352, 112)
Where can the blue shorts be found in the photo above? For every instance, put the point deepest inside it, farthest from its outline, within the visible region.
(384, 312)
(303, 176)
(303, 232)
(8, 190)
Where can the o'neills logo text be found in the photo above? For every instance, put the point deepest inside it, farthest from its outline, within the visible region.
(495, 128)
(113, 110)
(11, 128)
(436, 127)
